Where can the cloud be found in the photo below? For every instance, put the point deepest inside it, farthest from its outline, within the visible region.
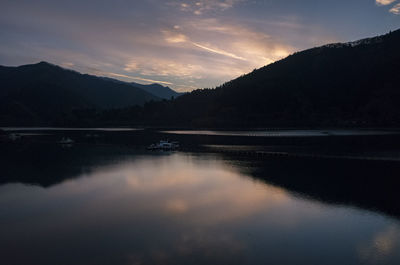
(219, 51)
(102, 73)
(240, 42)
(173, 37)
(178, 49)
(395, 9)
(199, 7)
(196, 53)
(384, 2)
(131, 67)
(67, 64)
(164, 67)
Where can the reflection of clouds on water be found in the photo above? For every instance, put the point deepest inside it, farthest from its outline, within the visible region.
(176, 206)
(206, 191)
(183, 209)
(221, 245)
(204, 247)
(199, 194)
(382, 246)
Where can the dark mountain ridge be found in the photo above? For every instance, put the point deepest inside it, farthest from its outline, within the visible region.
(158, 90)
(351, 84)
(44, 92)
(162, 92)
(355, 84)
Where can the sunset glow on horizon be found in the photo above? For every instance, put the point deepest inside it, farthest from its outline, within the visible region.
(183, 44)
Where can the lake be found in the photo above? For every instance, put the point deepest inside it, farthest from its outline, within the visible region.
(107, 203)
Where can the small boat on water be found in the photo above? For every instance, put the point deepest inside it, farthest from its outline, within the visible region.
(164, 145)
(66, 140)
(14, 136)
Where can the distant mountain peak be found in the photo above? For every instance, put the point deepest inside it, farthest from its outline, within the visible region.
(50, 92)
(44, 63)
(41, 64)
(158, 90)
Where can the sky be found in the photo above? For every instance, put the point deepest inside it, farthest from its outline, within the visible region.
(183, 44)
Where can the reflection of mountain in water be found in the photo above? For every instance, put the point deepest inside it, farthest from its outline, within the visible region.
(49, 164)
(368, 184)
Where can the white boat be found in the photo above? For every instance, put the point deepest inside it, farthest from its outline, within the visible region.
(66, 140)
(164, 145)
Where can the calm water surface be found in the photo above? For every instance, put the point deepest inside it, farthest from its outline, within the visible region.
(181, 208)
(286, 133)
(68, 129)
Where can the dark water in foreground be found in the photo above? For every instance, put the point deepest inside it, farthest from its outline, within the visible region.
(116, 205)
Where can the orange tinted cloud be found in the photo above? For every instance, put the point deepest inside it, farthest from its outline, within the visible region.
(178, 48)
(395, 10)
(384, 2)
